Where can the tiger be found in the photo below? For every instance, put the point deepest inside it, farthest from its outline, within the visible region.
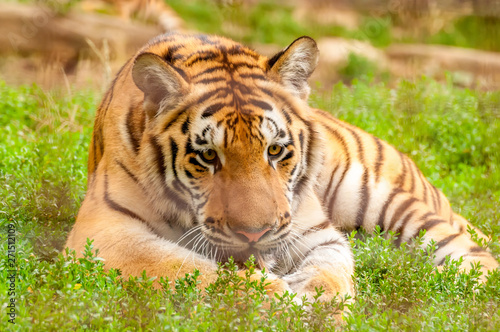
(204, 149)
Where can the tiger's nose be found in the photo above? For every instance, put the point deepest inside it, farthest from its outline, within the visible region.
(253, 237)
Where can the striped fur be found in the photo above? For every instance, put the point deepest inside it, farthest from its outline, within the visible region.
(285, 181)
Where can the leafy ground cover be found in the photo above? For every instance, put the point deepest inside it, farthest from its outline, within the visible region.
(452, 134)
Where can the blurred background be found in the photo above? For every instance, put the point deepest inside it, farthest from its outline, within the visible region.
(84, 42)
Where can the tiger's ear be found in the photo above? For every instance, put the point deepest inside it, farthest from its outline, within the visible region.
(163, 87)
(295, 64)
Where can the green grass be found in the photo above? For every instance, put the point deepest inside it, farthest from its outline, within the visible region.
(452, 134)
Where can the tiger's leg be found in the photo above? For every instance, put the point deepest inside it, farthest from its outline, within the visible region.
(321, 258)
(451, 237)
(129, 245)
(317, 256)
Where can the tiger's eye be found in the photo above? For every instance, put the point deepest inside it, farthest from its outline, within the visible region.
(274, 150)
(209, 155)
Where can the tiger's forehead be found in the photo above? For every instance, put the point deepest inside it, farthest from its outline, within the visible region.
(196, 57)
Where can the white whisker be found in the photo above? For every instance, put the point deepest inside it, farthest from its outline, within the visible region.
(188, 233)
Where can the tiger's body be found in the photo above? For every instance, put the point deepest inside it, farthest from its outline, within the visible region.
(203, 149)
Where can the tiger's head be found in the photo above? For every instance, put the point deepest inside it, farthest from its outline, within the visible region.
(227, 145)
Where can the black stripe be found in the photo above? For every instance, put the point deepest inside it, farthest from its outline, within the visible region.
(401, 227)
(412, 174)
(115, 206)
(130, 129)
(202, 204)
(328, 245)
(180, 72)
(189, 147)
(284, 225)
(212, 80)
(216, 239)
(364, 199)
(210, 94)
(159, 156)
(216, 230)
(168, 56)
(287, 116)
(267, 92)
(284, 235)
(127, 171)
(288, 156)
(161, 168)
(317, 228)
(301, 184)
(174, 148)
(237, 65)
(275, 125)
(301, 140)
(477, 249)
(446, 240)
(261, 104)
(438, 196)
(199, 140)
(208, 71)
(402, 176)
(238, 50)
(383, 212)
(330, 183)
(424, 186)
(428, 225)
(174, 198)
(174, 118)
(201, 56)
(401, 209)
(442, 261)
(185, 127)
(365, 191)
(254, 76)
(380, 158)
(195, 162)
(212, 109)
(343, 143)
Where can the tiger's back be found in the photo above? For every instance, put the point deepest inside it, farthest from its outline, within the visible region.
(203, 149)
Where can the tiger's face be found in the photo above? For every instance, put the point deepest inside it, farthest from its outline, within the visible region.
(233, 142)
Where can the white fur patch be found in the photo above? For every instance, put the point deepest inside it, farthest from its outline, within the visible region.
(348, 197)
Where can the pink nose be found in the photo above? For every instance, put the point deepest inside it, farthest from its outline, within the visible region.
(253, 237)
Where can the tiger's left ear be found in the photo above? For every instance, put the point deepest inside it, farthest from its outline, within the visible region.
(295, 64)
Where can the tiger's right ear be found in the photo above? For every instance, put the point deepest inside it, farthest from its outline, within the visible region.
(163, 87)
(295, 64)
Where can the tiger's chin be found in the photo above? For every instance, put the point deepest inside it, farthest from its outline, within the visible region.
(262, 260)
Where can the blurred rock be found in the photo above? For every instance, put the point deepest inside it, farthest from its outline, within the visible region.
(334, 55)
(471, 68)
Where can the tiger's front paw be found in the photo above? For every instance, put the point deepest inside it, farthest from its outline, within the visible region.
(338, 286)
(272, 284)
